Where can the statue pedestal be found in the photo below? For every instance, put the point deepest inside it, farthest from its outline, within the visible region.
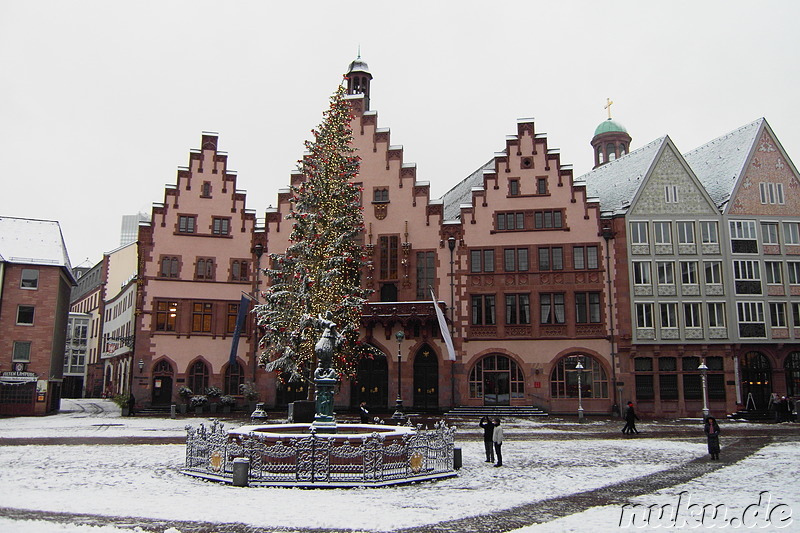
(324, 421)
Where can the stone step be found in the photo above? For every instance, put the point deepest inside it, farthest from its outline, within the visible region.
(514, 411)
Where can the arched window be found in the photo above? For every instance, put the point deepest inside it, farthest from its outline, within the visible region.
(599, 154)
(564, 379)
(198, 377)
(234, 376)
(611, 151)
(792, 366)
(496, 379)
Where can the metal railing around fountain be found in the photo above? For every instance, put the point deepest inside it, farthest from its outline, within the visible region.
(376, 458)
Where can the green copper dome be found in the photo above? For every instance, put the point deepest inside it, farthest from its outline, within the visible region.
(608, 126)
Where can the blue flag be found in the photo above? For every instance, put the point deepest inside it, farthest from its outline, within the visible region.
(244, 306)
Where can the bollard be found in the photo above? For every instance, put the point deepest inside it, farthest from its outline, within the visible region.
(172, 411)
(241, 471)
(456, 458)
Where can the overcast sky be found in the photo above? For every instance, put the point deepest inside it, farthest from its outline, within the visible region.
(100, 102)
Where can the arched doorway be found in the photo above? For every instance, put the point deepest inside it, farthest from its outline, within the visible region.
(198, 377)
(756, 380)
(162, 383)
(792, 367)
(426, 379)
(496, 379)
(371, 383)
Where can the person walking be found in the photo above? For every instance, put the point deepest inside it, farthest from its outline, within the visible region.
(497, 439)
(711, 429)
(362, 409)
(488, 434)
(630, 420)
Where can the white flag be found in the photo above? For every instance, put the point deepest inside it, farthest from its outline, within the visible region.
(448, 341)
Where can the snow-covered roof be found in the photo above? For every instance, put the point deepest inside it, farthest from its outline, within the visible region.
(33, 242)
(718, 164)
(616, 182)
(462, 192)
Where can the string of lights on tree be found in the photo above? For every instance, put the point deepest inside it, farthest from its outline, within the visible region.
(320, 270)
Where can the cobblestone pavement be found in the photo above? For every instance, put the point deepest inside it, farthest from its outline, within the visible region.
(746, 442)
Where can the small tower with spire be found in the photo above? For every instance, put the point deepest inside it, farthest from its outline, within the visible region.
(358, 78)
(611, 139)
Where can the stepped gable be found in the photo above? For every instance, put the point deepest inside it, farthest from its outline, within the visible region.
(720, 163)
(463, 197)
(617, 182)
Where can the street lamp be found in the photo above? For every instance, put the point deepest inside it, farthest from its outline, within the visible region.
(398, 411)
(703, 370)
(579, 369)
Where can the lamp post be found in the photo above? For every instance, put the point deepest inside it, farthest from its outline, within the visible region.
(398, 411)
(258, 251)
(579, 369)
(608, 234)
(703, 370)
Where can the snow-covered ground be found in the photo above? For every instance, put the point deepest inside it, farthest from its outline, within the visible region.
(143, 480)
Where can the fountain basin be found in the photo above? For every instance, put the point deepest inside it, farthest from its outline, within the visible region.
(292, 455)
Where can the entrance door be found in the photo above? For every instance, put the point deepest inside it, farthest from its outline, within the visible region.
(372, 383)
(426, 379)
(496, 388)
(162, 384)
(756, 380)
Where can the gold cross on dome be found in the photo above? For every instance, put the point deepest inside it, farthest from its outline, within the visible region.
(608, 106)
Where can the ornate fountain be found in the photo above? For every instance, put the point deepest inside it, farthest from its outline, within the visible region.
(324, 453)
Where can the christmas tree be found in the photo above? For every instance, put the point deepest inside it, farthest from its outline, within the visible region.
(319, 274)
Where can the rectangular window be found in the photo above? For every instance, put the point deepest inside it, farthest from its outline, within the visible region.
(584, 257)
(201, 317)
(772, 272)
(743, 237)
(708, 232)
(713, 270)
(186, 224)
(426, 274)
(551, 308)
(240, 270)
(643, 364)
(548, 219)
(551, 258)
(389, 246)
(796, 314)
(791, 232)
(170, 267)
(671, 194)
(518, 309)
(513, 187)
(515, 259)
(639, 233)
(510, 221)
(380, 195)
(751, 319)
(771, 193)
(669, 315)
(587, 307)
(641, 273)
(488, 260)
(644, 316)
(692, 386)
(777, 314)
(691, 316)
(644, 387)
(689, 272)
(747, 277)
(716, 314)
(25, 315)
(30, 279)
(663, 232)
(221, 226)
(668, 386)
(685, 232)
(483, 310)
(769, 233)
(666, 272)
(166, 316)
(233, 315)
(22, 352)
(794, 272)
(204, 269)
(541, 185)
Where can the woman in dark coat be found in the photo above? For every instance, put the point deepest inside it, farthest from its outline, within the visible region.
(488, 432)
(711, 428)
